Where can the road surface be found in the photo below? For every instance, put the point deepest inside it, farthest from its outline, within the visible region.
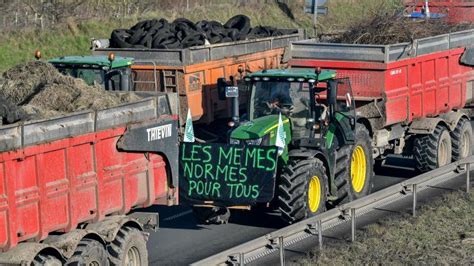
(180, 241)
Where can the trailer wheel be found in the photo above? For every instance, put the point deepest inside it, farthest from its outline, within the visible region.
(88, 252)
(461, 138)
(128, 248)
(354, 172)
(433, 150)
(303, 190)
(46, 260)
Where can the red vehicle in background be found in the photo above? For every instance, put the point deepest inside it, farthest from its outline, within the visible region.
(457, 11)
(414, 98)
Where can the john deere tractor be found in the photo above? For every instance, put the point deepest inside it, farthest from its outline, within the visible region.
(327, 157)
(110, 72)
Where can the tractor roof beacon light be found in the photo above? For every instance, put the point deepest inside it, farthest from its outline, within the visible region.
(111, 58)
(317, 70)
(37, 54)
(240, 69)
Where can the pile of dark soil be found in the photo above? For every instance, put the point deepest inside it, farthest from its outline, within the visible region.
(36, 90)
(183, 33)
(386, 30)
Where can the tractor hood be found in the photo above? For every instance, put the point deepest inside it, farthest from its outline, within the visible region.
(259, 127)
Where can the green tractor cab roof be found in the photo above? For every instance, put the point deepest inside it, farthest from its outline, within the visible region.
(292, 75)
(92, 61)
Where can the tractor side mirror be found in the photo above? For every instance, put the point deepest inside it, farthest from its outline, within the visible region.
(231, 91)
(221, 84)
(332, 92)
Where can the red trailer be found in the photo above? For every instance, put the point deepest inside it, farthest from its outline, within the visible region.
(66, 184)
(407, 94)
(458, 11)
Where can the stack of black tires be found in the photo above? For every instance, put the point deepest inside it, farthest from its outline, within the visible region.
(183, 33)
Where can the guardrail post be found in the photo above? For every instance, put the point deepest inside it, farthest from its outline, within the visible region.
(320, 234)
(468, 177)
(414, 200)
(353, 224)
(242, 259)
(282, 251)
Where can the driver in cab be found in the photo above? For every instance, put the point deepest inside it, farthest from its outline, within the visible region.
(280, 100)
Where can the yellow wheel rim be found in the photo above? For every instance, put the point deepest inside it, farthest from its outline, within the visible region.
(314, 194)
(358, 169)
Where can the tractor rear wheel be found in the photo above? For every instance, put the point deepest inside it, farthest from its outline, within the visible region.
(89, 252)
(461, 138)
(302, 192)
(433, 150)
(354, 168)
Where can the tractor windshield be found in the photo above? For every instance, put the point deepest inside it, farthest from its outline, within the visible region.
(273, 97)
(90, 75)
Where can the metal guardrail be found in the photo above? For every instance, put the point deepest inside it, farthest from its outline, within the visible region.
(315, 226)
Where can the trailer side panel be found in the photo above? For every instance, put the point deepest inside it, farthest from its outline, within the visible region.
(422, 86)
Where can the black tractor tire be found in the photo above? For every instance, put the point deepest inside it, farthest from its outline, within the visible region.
(128, 248)
(119, 37)
(46, 260)
(88, 252)
(345, 157)
(294, 187)
(136, 37)
(214, 215)
(461, 139)
(240, 23)
(432, 151)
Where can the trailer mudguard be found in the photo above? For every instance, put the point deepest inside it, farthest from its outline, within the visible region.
(428, 125)
(157, 136)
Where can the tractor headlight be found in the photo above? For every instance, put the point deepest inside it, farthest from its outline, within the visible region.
(234, 141)
(264, 141)
(254, 142)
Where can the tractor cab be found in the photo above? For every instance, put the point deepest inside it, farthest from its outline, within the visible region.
(110, 72)
(309, 101)
(325, 156)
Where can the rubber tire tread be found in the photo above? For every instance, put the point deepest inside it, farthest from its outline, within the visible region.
(456, 136)
(342, 175)
(42, 259)
(239, 22)
(293, 188)
(425, 150)
(125, 239)
(183, 33)
(83, 251)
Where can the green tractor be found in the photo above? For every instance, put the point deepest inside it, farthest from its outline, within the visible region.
(110, 72)
(327, 156)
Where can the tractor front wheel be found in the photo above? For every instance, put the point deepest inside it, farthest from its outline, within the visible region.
(302, 192)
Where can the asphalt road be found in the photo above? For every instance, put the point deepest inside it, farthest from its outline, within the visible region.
(180, 241)
(341, 234)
